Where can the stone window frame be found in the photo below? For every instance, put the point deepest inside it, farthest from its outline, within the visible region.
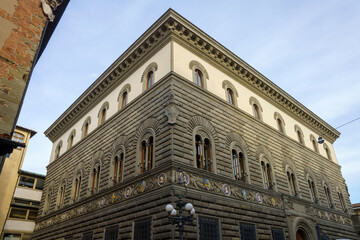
(146, 136)
(329, 199)
(204, 133)
(70, 141)
(253, 101)
(327, 151)
(78, 174)
(263, 159)
(215, 219)
(151, 67)
(226, 84)
(193, 65)
(58, 149)
(290, 170)
(120, 99)
(119, 146)
(277, 117)
(310, 176)
(120, 171)
(63, 182)
(101, 118)
(88, 122)
(289, 166)
(300, 137)
(48, 197)
(235, 145)
(341, 198)
(305, 225)
(96, 165)
(264, 155)
(314, 143)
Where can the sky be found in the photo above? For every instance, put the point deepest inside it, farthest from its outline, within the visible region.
(308, 48)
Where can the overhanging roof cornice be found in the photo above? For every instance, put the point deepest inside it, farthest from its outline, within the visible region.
(173, 24)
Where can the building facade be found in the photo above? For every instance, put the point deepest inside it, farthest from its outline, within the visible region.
(249, 152)
(9, 175)
(25, 29)
(24, 206)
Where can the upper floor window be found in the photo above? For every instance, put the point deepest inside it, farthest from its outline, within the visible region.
(62, 194)
(280, 125)
(312, 190)
(199, 79)
(342, 201)
(279, 122)
(314, 145)
(103, 112)
(58, 149)
(292, 183)
(150, 79)
(47, 201)
(328, 196)
(77, 186)
(256, 108)
(71, 139)
(238, 165)
(18, 137)
(299, 137)
(256, 112)
(328, 153)
(85, 127)
(230, 96)
(299, 134)
(118, 168)
(203, 153)
(95, 179)
(124, 99)
(267, 175)
(147, 154)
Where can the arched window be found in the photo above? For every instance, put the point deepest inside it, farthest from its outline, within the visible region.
(279, 122)
(118, 168)
(230, 96)
(292, 182)
(77, 187)
(299, 134)
(103, 116)
(328, 196)
(124, 99)
(147, 155)
(203, 153)
(312, 190)
(328, 153)
(71, 139)
(199, 79)
(18, 137)
(342, 201)
(150, 79)
(239, 165)
(58, 149)
(85, 127)
(280, 125)
(299, 137)
(256, 111)
(95, 179)
(315, 145)
(102, 113)
(47, 203)
(62, 194)
(267, 175)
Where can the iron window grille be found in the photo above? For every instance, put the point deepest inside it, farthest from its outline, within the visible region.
(247, 231)
(111, 233)
(142, 230)
(209, 229)
(277, 234)
(87, 236)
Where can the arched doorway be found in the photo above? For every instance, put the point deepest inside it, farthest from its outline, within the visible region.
(301, 235)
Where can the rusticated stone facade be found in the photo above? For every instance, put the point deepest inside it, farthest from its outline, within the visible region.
(173, 111)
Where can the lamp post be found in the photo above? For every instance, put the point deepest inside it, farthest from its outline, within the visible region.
(180, 220)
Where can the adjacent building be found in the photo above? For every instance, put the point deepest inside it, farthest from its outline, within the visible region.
(24, 206)
(25, 29)
(9, 174)
(248, 151)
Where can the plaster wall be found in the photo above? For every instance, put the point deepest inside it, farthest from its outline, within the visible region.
(182, 58)
(27, 193)
(19, 226)
(162, 58)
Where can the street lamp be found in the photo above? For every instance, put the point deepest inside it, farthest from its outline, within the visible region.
(180, 220)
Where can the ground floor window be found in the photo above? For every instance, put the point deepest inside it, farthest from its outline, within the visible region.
(111, 233)
(142, 230)
(87, 236)
(247, 231)
(277, 234)
(209, 228)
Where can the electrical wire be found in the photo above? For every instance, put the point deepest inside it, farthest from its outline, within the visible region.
(348, 123)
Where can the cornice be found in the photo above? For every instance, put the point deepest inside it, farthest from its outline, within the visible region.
(179, 29)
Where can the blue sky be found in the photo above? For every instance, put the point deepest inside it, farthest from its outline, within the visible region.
(308, 48)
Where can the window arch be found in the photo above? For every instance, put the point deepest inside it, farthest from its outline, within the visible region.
(299, 134)
(77, 186)
(199, 74)
(266, 171)
(48, 197)
(279, 122)
(291, 177)
(314, 143)
(85, 127)
(203, 153)
(61, 194)
(123, 97)
(119, 160)
(328, 195)
(341, 199)
(311, 184)
(95, 172)
(102, 113)
(148, 76)
(256, 108)
(58, 150)
(146, 149)
(230, 92)
(71, 139)
(327, 151)
(95, 179)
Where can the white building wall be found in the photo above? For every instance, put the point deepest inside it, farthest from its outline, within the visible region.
(19, 226)
(27, 193)
(162, 58)
(182, 59)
